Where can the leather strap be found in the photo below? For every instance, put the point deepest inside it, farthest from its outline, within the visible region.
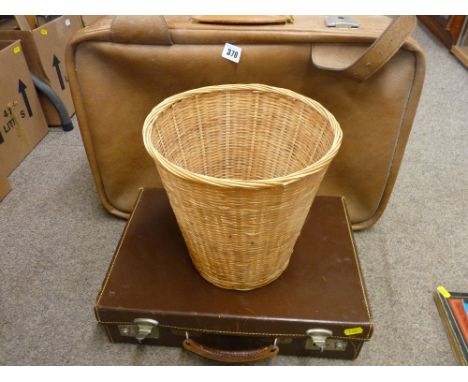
(230, 356)
(146, 30)
(243, 20)
(382, 50)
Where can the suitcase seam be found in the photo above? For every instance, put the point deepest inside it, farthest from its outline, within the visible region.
(403, 120)
(358, 269)
(357, 349)
(231, 332)
(118, 251)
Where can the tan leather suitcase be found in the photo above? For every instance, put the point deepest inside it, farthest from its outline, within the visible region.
(367, 71)
(318, 307)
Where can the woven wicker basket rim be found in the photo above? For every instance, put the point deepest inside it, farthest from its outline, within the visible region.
(241, 183)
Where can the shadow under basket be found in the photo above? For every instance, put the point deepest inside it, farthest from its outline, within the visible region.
(241, 165)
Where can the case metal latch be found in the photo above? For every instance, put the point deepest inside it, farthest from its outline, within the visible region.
(319, 339)
(141, 329)
(341, 22)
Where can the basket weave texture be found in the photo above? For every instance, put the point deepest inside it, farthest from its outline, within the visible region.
(241, 165)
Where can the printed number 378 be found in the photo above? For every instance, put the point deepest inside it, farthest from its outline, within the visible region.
(232, 53)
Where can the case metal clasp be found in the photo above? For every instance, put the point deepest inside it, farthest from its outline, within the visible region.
(141, 329)
(341, 22)
(317, 338)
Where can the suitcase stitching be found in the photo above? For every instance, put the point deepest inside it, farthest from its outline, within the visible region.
(230, 332)
(359, 270)
(117, 253)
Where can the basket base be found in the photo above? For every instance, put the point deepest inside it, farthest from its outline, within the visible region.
(233, 285)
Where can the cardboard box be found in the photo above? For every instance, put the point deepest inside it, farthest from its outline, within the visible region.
(44, 49)
(5, 187)
(22, 122)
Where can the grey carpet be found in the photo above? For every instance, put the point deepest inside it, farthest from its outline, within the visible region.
(56, 243)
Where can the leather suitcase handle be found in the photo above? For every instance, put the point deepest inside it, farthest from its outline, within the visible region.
(382, 50)
(243, 20)
(230, 356)
(147, 30)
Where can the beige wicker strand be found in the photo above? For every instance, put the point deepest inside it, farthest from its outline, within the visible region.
(236, 163)
(178, 136)
(317, 146)
(200, 130)
(254, 131)
(296, 132)
(282, 130)
(227, 134)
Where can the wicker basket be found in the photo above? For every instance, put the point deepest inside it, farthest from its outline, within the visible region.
(241, 165)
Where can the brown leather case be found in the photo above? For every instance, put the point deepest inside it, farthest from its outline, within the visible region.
(317, 308)
(369, 77)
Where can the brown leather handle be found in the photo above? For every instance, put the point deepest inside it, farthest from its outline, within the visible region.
(243, 20)
(151, 29)
(381, 51)
(146, 30)
(230, 356)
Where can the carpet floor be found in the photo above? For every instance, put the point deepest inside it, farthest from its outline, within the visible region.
(56, 242)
